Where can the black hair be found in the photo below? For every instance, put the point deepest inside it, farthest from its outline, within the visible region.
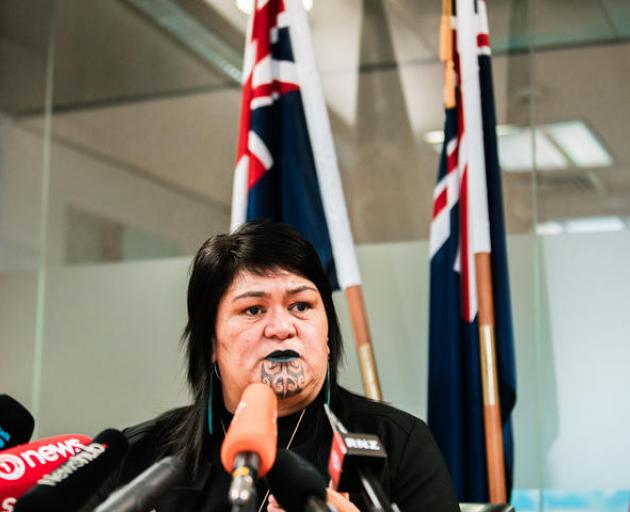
(260, 247)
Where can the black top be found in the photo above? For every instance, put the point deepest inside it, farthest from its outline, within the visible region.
(415, 475)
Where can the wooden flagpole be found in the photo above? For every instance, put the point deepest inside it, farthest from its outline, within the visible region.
(495, 461)
(446, 54)
(363, 342)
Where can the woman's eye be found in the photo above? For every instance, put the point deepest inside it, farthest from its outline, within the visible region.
(301, 307)
(253, 310)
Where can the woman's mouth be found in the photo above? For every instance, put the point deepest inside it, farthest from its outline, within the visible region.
(282, 356)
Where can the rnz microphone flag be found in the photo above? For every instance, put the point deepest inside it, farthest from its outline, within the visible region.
(286, 165)
(455, 405)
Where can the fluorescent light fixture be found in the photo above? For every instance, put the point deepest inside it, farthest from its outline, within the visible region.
(506, 129)
(579, 144)
(434, 137)
(247, 6)
(565, 145)
(594, 225)
(583, 225)
(515, 152)
(549, 228)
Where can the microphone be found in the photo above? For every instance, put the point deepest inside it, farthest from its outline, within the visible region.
(70, 485)
(354, 461)
(16, 423)
(249, 448)
(23, 465)
(297, 484)
(142, 493)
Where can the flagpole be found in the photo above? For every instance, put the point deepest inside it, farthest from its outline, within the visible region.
(363, 342)
(333, 199)
(467, 24)
(495, 460)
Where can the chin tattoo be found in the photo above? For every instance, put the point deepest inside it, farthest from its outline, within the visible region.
(285, 378)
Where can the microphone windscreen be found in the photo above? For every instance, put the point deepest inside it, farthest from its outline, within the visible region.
(293, 480)
(253, 428)
(143, 492)
(16, 423)
(74, 482)
(22, 465)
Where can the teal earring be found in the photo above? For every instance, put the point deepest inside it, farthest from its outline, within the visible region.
(327, 385)
(212, 371)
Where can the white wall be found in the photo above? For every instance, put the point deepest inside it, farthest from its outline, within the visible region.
(588, 295)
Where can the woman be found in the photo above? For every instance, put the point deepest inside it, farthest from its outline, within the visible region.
(260, 309)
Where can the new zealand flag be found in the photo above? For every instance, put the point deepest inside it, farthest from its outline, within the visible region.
(456, 404)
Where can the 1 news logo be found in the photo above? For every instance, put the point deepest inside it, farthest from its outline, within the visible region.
(11, 467)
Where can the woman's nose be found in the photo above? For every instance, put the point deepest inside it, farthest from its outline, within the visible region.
(280, 325)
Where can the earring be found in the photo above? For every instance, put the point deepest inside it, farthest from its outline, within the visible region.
(210, 429)
(327, 385)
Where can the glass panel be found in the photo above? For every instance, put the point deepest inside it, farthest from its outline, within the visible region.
(142, 152)
(581, 103)
(143, 131)
(24, 37)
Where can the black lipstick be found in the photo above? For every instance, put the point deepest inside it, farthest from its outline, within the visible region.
(282, 356)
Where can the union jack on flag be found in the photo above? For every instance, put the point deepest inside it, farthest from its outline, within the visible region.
(285, 156)
(467, 220)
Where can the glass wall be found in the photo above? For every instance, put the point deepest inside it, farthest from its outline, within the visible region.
(118, 125)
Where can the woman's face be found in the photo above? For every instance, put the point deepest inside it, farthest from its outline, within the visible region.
(272, 329)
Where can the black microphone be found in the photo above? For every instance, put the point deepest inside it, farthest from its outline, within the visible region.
(16, 423)
(142, 493)
(70, 485)
(297, 484)
(356, 460)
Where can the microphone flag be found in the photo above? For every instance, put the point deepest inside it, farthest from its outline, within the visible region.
(286, 167)
(22, 466)
(72, 484)
(468, 220)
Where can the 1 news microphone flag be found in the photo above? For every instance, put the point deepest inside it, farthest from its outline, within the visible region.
(468, 222)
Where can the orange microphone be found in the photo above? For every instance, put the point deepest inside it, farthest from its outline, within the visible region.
(249, 448)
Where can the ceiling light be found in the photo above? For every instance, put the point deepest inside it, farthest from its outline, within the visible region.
(582, 225)
(558, 146)
(594, 224)
(516, 152)
(549, 228)
(579, 144)
(433, 137)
